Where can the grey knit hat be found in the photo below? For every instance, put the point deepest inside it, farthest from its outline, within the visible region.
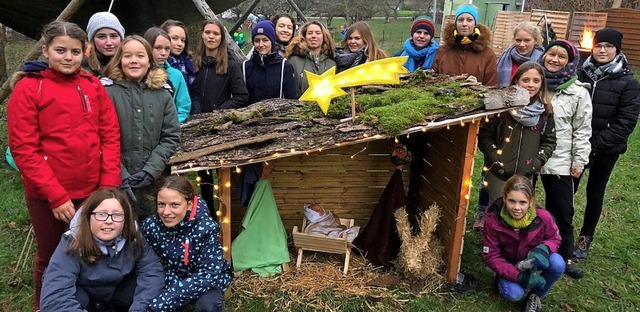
(104, 20)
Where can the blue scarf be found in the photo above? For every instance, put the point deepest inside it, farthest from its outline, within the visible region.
(184, 65)
(510, 56)
(428, 54)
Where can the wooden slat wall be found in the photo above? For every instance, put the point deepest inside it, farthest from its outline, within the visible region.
(627, 21)
(559, 20)
(503, 26)
(581, 20)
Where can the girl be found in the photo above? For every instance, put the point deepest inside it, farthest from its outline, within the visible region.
(185, 237)
(161, 46)
(285, 27)
(149, 124)
(179, 57)
(527, 46)
(103, 262)
(572, 114)
(267, 74)
(521, 141)
(520, 241)
(105, 33)
(421, 48)
(466, 48)
(616, 103)
(358, 47)
(311, 50)
(64, 135)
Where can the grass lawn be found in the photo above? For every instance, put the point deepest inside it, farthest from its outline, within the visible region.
(611, 281)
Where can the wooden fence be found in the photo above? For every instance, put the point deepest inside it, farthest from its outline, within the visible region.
(627, 21)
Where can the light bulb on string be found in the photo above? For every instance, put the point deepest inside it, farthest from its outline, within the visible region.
(218, 213)
(486, 118)
(499, 152)
(198, 179)
(216, 187)
(227, 184)
(238, 170)
(395, 139)
(485, 183)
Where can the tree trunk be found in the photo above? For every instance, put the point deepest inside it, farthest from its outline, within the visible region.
(3, 59)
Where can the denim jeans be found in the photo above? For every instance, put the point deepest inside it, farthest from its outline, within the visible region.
(513, 291)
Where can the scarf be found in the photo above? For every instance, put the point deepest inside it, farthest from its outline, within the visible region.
(426, 55)
(518, 224)
(184, 65)
(346, 59)
(511, 56)
(597, 71)
(464, 40)
(529, 115)
(563, 78)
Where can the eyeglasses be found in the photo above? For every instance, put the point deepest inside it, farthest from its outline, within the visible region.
(606, 47)
(103, 216)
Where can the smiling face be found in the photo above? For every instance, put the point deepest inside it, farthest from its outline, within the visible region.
(161, 49)
(421, 38)
(64, 54)
(284, 29)
(314, 38)
(107, 230)
(107, 41)
(532, 81)
(262, 44)
(465, 24)
(135, 60)
(556, 59)
(172, 207)
(517, 204)
(355, 41)
(211, 37)
(524, 42)
(178, 39)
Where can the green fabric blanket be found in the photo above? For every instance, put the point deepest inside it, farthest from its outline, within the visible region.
(262, 243)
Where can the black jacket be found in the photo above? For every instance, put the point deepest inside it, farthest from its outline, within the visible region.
(210, 91)
(269, 76)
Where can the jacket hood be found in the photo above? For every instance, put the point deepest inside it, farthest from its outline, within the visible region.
(479, 45)
(298, 47)
(155, 80)
(73, 232)
(272, 58)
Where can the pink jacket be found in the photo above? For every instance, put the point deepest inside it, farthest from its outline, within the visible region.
(503, 247)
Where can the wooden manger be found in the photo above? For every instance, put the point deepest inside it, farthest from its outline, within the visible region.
(337, 245)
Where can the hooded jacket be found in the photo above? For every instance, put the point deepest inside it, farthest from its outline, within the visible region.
(149, 129)
(181, 96)
(301, 60)
(503, 246)
(524, 149)
(66, 272)
(211, 91)
(191, 255)
(64, 135)
(269, 76)
(477, 58)
(616, 104)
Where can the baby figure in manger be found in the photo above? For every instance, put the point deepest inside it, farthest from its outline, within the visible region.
(321, 222)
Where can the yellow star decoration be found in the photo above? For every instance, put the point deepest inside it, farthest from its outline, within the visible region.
(327, 86)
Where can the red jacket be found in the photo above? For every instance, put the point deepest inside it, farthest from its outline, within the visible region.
(503, 247)
(64, 135)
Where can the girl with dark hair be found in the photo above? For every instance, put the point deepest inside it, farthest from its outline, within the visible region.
(285, 26)
(64, 135)
(185, 237)
(421, 48)
(102, 262)
(180, 54)
(357, 47)
(148, 120)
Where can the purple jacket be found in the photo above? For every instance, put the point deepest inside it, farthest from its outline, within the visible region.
(503, 247)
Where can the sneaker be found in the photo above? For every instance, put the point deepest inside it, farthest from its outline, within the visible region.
(582, 247)
(533, 303)
(573, 270)
(478, 220)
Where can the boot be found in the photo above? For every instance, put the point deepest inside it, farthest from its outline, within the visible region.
(582, 247)
(573, 270)
(533, 303)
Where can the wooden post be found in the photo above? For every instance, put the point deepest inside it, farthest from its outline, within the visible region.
(224, 180)
(36, 50)
(208, 14)
(353, 104)
(297, 9)
(243, 17)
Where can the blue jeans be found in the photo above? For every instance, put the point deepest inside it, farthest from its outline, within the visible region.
(513, 291)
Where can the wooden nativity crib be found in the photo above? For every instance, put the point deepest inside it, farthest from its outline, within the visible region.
(313, 242)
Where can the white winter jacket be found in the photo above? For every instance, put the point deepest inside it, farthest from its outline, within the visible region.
(572, 110)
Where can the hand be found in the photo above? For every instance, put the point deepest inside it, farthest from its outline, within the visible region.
(140, 180)
(125, 187)
(576, 172)
(541, 255)
(531, 280)
(64, 212)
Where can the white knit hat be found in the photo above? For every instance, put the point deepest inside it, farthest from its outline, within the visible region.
(104, 20)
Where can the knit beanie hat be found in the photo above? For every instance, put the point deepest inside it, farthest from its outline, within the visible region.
(264, 28)
(467, 8)
(609, 35)
(423, 22)
(104, 20)
(571, 49)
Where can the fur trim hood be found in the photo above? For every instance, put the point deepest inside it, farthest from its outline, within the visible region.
(479, 45)
(298, 47)
(155, 80)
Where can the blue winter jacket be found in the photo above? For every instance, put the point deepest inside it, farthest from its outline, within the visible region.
(191, 255)
(67, 271)
(269, 76)
(180, 92)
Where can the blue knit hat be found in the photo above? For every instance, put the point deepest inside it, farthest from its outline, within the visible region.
(264, 28)
(467, 8)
